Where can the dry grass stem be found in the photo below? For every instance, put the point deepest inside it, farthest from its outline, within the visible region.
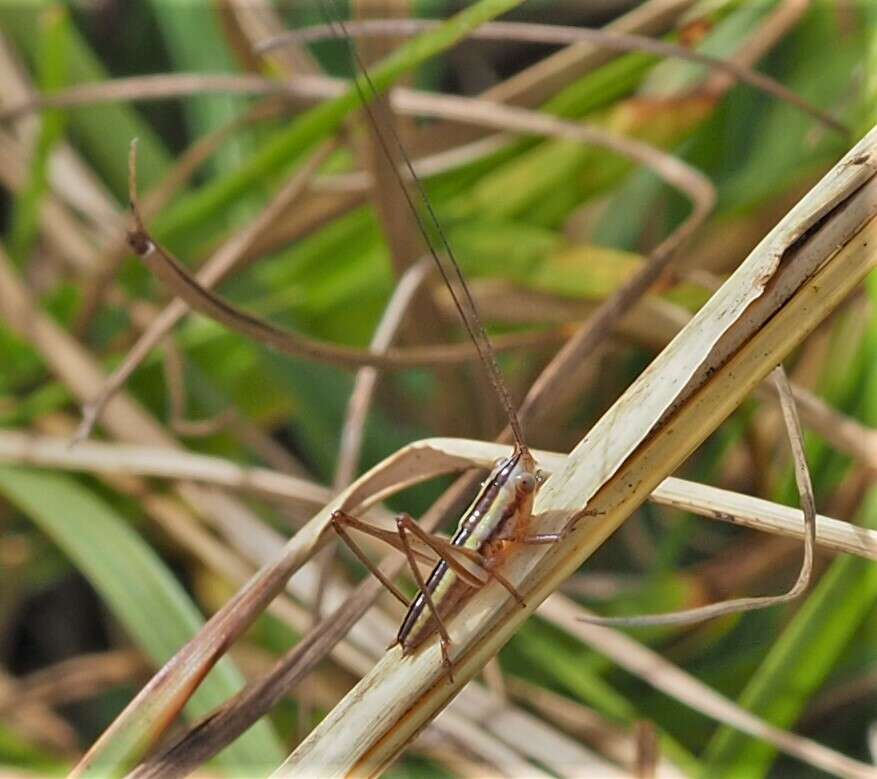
(560, 35)
(773, 29)
(759, 514)
(843, 433)
(248, 23)
(64, 234)
(162, 86)
(615, 741)
(175, 380)
(19, 448)
(214, 270)
(199, 298)
(360, 181)
(808, 505)
(366, 379)
(36, 722)
(779, 294)
(169, 86)
(163, 462)
(71, 680)
(536, 84)
(663, 675)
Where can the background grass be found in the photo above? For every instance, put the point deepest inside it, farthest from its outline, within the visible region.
(551, 217)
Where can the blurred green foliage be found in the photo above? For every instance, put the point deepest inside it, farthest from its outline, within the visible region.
(511, 216)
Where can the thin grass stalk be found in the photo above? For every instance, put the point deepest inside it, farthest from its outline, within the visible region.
(17, 448)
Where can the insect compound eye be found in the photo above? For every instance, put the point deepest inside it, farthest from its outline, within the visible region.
(527, 482)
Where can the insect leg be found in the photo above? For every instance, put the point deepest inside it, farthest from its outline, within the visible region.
(390, 537)
(508, 585)
(340, 521)
(404, 522)
(447, 550)
(552, 538)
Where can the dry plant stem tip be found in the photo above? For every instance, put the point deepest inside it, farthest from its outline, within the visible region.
(220, 264)
(182, 284)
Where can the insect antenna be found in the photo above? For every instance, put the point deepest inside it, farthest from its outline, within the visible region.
(449, 268)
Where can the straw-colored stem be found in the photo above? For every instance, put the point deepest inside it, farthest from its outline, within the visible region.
(789, 284)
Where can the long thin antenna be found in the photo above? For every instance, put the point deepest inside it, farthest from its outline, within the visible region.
(468, 312)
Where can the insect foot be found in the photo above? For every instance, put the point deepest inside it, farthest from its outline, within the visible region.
(446, 659)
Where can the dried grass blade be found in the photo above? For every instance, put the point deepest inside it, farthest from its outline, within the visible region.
(760, 514)
(808, 505)
(20, 448)
(678, 684)
(844, 433)
(366, 378)
(561, 35)
(79, 677)
(199, 298)
(215, 269)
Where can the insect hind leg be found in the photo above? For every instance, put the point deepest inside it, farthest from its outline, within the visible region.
(510, 588)
(446, 551)
(404, 524)
(341, 520)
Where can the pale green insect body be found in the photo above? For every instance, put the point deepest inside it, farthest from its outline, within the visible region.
(497, 518)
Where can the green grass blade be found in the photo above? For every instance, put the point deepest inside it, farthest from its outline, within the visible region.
(194, 212)
(142, 595)
(800, 660)
(104, 132)
(196, 44)
(54, 26)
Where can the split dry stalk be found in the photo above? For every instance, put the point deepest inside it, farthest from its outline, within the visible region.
(798, 274)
